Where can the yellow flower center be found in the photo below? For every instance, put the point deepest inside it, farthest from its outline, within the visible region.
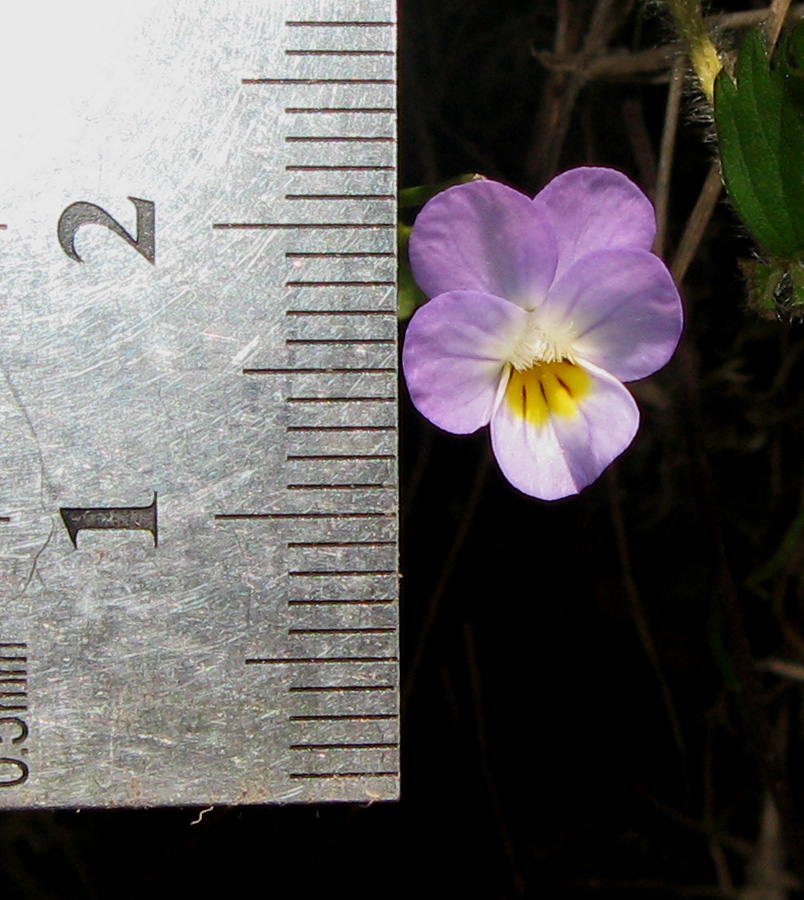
(545, 389)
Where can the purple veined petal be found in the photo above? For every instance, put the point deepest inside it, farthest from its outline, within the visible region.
(483, 236)
(560, 446)
(621, 311)
(454, 355)
(592, 208)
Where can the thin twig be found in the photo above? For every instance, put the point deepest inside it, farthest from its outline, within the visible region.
(641, 620)
(561, 96)
(784, 668)
(666, 153)
(738, 845)
(434, 602)
(776, 18)
(617, 64)
(667, 888)
(715, 847)
(697, 222)
(416, 470)
(641, 141)
(749, 17)
(517, 878)
(561, 42)
(621, 63)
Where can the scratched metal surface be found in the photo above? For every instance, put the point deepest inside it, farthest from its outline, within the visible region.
(197, 450)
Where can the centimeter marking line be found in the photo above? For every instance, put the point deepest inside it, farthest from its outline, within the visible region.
(374, 53)
(352, 82)
(233, 517)
(351, 717)
(333, 254)
(309, 631)
(338, 168)
(339, 110)
(316, 660)
(389, 197)
(303, 226)
(341, 688)
(335, 775)
(380, 601)
(337, 573)
(331, 284)
(341, 399)
(385, 745)
(360, 23)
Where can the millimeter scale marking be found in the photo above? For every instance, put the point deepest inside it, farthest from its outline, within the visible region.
(198, 560)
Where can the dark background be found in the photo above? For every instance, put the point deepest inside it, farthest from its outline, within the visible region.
(572, 723)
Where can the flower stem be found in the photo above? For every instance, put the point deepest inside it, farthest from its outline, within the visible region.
(701, 50)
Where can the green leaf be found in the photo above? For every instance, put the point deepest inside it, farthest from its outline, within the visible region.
(760, 126)
(419, 195)
(409, 295)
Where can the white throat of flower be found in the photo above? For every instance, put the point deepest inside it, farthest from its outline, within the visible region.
(536, 345)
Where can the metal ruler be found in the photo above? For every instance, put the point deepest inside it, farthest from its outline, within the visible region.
(197, 403)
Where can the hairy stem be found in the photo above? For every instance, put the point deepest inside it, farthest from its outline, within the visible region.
(701, 50)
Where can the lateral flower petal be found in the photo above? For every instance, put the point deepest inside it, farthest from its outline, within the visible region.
(623, 310)
(483, 236)
(559, 454)
(591, 208)
(455, 351)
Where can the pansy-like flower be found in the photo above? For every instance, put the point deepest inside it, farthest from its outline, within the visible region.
(541, 308)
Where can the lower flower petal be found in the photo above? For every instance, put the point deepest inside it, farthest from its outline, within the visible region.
(559, 425)
(454, 356)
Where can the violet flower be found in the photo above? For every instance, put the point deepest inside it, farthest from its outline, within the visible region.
(541, 309)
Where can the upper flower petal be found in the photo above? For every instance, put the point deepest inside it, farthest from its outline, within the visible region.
(483, 236)
(454, 354)
(620, 309)
(553, 453)
(592, 208)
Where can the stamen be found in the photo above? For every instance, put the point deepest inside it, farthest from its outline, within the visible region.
(534, 346)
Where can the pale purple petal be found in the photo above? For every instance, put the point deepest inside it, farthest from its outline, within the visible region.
(483, 236)
(454, 355)
(593, 208)
(621, 310)
(565, 453)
